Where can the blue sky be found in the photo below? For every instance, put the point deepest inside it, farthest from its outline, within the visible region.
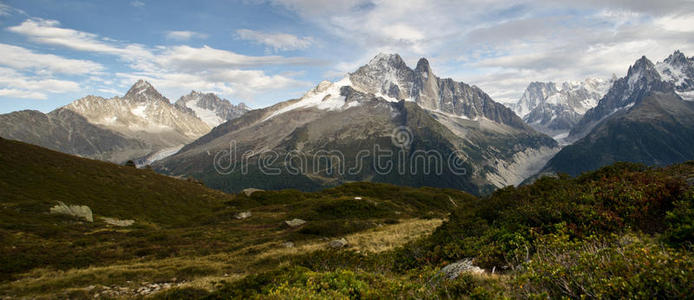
(262, 52)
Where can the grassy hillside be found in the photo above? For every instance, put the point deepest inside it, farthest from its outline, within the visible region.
(184, 234)
(624, 231)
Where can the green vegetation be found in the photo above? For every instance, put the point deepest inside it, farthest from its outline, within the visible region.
(624, 231)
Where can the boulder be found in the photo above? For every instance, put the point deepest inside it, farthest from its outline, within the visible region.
(117, 222)
(288, 244)
(80, 211)
(295, 222)
(243, 215)
(250, 191)
(452, 271)
(336, 244)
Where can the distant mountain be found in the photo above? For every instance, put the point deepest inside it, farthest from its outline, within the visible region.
(554, 111)
(210, 108)
(679, 70)
(383, 104)
(66, 131)
(142, 125)
(641, 119)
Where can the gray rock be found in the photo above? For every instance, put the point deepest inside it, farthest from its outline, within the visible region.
(336, 244)
(250, 191)
(117, 222)
(295, 222)
(243, 215)
(452, 271)
(80, 211)
(288, 244)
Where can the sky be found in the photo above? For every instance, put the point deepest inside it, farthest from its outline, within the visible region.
(261, 52)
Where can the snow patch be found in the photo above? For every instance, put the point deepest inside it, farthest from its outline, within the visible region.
(140, 111)
(161, 154)
(686, 96)
(325, 96)
(208, 116)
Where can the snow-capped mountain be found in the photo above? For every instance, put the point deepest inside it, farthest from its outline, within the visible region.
(362, 111)
(141, 111)
(554, 111)
(142, 125)
(387, 76)
(641, 79)
(679, 70)
(641, 119)
(210, 108)
(144, 114)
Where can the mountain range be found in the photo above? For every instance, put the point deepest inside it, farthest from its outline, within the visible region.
(440, 119)
(645, 117)
(435, 131)
(555, 110)
(142, 125)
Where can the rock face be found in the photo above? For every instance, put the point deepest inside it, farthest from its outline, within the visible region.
(554, 111)
(80, 211)
(388, 76)
(210, 108)
(641, 119)
(383, 107)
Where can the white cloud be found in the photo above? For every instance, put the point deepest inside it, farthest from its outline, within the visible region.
(49, 32)
(24, 59)
(137, 3)
(5, 9)
(501, 46)
(14, 84)
(14, 93)
(173, 69)
(276, 41)
(184, 35)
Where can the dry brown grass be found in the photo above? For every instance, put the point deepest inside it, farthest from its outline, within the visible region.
(374, 240)
(211, 268)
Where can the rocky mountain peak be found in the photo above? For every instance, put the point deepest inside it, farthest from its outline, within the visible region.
(677, 59)
(423, 66)
(382, 59)
(143, 91)
(643, 68)
(210, 108)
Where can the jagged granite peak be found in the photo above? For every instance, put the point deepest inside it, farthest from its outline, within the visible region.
(533, 96)
(679, 70)
(210, 108)
(641, 79)
(554, 111)
(387, 75)
(143, 91)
